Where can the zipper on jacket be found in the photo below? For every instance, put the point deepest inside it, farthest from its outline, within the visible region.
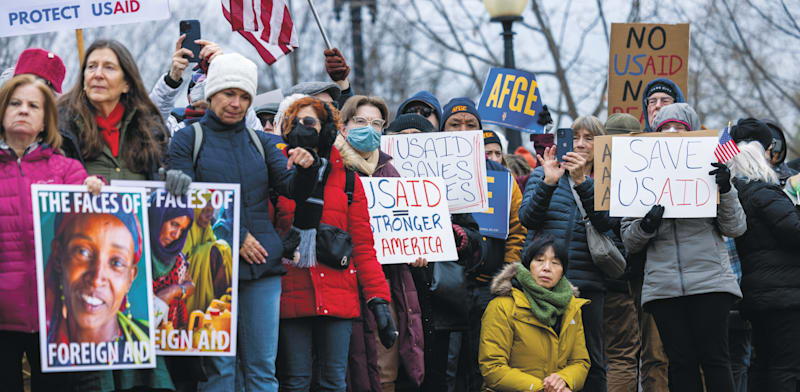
(19, 164)
(678, 253)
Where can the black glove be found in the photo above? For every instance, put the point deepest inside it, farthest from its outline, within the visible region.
(290, 240)
(544, 116)
(387, 332)
(175, 181)
(652, 220)
(723, 175)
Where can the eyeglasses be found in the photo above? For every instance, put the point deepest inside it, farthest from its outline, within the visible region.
(422, 110)
(663, 100)
(376, 123)
(307, 121)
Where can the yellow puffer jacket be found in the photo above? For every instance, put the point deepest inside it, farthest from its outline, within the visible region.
(508, 326)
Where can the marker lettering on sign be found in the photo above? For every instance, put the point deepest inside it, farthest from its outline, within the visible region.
(51, 14)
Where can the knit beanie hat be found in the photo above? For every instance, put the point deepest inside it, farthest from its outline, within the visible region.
(231, 70)
(618, 123)
(661, 87)
(748, 129)
(409, 121)
(460, 105)
(490, 137)
(44, 64)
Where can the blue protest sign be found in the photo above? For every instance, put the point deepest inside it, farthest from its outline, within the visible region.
(494, 223)
(511, 99)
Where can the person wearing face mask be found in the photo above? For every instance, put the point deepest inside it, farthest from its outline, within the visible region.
(359, 143)
(689, 286)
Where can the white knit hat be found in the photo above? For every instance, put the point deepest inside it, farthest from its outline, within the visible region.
(231, 70)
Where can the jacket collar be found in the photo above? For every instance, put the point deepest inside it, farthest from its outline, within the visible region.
(34, 152)
(212, 121)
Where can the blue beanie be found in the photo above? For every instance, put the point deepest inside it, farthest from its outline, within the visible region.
(460, 105)
(425, 97)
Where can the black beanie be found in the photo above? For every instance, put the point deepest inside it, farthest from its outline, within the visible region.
(661, 87)
(490, 137)
(748, 129)
(409, 121)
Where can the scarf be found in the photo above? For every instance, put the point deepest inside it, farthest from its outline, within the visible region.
(164, 256)
(108, 127)
(307, 216)
(546, 305)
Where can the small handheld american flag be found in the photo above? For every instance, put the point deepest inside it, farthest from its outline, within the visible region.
(726, 149)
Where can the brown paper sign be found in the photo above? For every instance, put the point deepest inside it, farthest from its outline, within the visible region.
(602, 162)
(641, 52)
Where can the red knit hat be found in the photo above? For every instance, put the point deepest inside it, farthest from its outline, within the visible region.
(44, 64)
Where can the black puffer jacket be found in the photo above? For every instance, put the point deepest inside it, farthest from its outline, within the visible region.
(552, 209)
(770, 248)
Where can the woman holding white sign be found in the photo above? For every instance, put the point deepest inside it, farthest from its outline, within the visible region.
(689, 286)
(549, 206)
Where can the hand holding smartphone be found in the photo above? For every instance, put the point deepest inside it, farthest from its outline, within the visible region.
(192, 30)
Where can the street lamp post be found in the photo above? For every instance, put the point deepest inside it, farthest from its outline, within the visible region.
(507, 12)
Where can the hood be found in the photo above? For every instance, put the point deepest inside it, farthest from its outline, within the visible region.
(423, 96)
(679, 112)
(504, 281)
(672, 84)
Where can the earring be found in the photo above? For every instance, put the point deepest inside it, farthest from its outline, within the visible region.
(128, 307)
(63, 304)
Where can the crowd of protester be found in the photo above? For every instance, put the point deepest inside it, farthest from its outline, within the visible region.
(704, 304)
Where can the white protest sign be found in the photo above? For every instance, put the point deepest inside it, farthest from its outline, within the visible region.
(409, 219)
(456, 157)
(41, 16)
(671, 171)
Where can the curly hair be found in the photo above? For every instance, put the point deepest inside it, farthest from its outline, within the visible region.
(319, 109)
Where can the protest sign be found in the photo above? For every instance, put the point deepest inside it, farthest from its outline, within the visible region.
(494, 222)
(511, 99)
(641, 52)
(194, 239)
(409, 219)
(92, 274)
(458, 158)
(41, 16)
(602, 162)
(670, 171)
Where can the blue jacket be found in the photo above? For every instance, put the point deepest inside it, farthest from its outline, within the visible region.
(552, 210)
(228, 155)
(680, 99)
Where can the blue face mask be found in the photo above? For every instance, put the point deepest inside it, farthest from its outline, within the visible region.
(364, 139)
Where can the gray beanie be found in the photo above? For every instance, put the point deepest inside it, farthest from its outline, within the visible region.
(678, 112)
(231, 70)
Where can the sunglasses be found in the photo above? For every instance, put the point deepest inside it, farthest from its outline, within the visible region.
(422, 110)
(307, 121)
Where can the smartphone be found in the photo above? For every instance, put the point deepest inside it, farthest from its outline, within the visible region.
(192, 30)
(563, 142)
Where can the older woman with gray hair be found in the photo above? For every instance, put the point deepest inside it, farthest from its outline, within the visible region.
(768, 251)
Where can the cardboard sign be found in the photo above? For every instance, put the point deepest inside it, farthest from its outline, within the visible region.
(41, 16)
(641, 52)
(670, 171)
(511, 99)
(207, 245)
(602, 162)
(458, 158)
(494, 222)
(409, 219)
(93, 278)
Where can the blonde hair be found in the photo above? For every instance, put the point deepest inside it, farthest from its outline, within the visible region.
(49, 134)
(589, 123)
(751, 163)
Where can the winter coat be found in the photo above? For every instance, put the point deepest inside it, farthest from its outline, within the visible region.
(517, 351)
(769, 249)
(363, 371)
(552, 209)
(322, 290)
(164, 96)
(106, 164)
(679, 99)
(18, 304)
(228, 155)
(688, 256)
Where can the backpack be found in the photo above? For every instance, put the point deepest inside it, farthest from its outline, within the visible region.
(198, 142)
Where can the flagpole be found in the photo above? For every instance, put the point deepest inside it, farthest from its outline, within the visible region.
(321, 29)
(79, 39)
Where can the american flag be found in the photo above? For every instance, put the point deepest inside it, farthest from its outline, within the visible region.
(266, 24)
(726, 149)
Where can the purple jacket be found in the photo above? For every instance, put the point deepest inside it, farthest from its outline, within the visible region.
(18, 305)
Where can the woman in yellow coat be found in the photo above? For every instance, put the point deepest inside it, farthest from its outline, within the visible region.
(532, 333)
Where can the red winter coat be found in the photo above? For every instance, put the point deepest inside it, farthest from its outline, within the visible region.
(18, 305)
(321, 290)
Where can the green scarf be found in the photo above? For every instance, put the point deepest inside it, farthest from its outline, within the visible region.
(546, 305)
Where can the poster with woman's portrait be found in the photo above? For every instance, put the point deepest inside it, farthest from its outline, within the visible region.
(193, 242)
(93, 274)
